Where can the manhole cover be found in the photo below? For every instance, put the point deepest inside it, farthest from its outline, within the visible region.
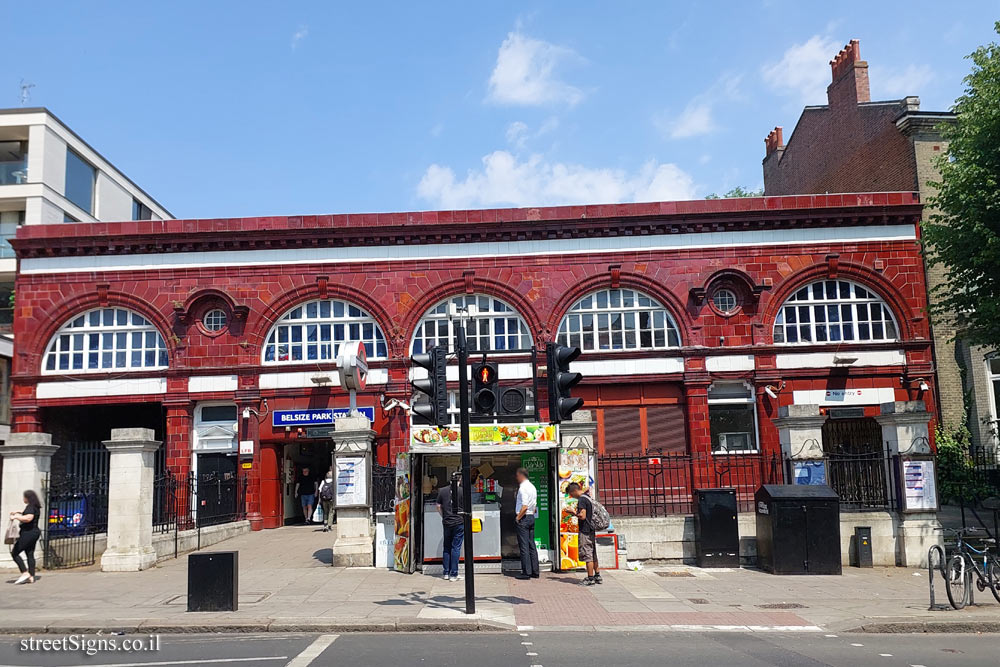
(697, 600)
(675, 573)
(782, 605)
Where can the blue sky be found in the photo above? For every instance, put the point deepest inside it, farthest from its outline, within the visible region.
(223, 109)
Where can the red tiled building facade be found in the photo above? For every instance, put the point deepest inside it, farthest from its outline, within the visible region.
(806, 297)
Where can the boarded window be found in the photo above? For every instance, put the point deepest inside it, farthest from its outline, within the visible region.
(622, 430)
(665, 428)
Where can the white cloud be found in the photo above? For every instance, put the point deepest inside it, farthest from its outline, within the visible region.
(505, 180)
(525, 73)
(519, 134)
(804, 70)
(299, 35)
(896, 83)
(697, 117)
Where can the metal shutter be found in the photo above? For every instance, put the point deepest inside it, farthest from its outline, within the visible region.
(665, 426)
(622, 431)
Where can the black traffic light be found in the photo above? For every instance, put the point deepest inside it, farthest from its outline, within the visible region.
(432, 408)
(485, 387)
(561, 381)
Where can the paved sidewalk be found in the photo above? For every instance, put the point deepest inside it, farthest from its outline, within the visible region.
(287, 584)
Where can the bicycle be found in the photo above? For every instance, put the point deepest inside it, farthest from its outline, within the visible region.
(961, 566)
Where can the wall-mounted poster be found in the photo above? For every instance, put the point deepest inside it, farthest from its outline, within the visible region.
(401, 548)
(537, 465)
(575, 465)
(919, 487)
(352, 481)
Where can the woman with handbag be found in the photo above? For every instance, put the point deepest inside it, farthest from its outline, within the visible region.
(28, 537)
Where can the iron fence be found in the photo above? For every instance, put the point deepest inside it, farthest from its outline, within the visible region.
(76, 511)
(185, 502)
(659, 484)
(656, 483)
(383, 488)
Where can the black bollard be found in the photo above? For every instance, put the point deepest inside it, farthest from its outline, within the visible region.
(213, 581)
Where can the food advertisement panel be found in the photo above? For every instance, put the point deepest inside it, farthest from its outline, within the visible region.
(575, 465)
(401, 548)
(537, 465)
(444, 439)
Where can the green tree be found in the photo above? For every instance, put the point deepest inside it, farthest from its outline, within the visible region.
(738, 191)
(964, 234)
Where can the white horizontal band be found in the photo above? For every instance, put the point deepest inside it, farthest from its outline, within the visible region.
(423, 252)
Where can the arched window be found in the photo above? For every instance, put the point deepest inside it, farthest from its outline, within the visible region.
(313, 331)
(834, 311)
(616, 320)
(105, 339)
(495, 325)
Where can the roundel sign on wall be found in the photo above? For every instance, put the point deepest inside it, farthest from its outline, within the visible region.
(352, 364)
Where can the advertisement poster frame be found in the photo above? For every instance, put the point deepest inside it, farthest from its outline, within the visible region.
(575, 464)
(918, 484)
(403, 516)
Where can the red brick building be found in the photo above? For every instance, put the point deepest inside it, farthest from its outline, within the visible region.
(690, 314)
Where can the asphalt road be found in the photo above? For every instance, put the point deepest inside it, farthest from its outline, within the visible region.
(528, 649)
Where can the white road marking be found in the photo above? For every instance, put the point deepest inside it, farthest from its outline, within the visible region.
(886, 655)
(917, 665)
(524, 634)
(529, 653)
(829, 635)
(178, 662)
(312, 651)
(857, 644)
(526, 644)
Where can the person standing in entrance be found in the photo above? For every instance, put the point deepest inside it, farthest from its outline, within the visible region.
(28, 537)
(453, 526)
(587, 537)
(527, 511)
(327, 492)
(305, 489)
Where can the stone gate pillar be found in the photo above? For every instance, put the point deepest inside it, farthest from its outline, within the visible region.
(27, 460)
(800, 431)
(354, 546)
(905, 431)
(130, 501)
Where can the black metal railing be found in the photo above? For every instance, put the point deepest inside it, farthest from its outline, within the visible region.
(185, 502)
(383, 488)
(658, 484)
(75, 510)
(219, 498)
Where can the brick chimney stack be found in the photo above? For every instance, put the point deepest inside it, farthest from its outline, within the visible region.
(773, 142)
(850, 77)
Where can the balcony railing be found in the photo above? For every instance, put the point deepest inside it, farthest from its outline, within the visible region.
(13, 173)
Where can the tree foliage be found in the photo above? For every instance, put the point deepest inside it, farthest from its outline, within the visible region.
(957, 477)
(738, 191)
(964, 235)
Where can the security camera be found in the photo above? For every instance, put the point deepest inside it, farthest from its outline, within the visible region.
(769, 390)
(923, 386)
(246, 413)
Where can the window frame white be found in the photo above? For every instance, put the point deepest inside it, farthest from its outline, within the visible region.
(577, 337)
(206, 320)
(811, 305)
(89, 328)
(303, 321)
(735, 299)
(749, 400)
(993, 380)
(481, 319)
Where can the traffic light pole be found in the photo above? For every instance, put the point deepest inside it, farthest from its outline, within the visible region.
(463, 405)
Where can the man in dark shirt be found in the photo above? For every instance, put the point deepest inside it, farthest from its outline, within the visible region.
(454, 529)
(305, 489)
(587, 537)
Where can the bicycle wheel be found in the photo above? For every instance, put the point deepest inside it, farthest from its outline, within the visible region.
(993, 577)
(957, 579)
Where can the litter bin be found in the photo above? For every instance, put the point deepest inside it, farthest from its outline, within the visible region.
(798, 529)
(716, 529)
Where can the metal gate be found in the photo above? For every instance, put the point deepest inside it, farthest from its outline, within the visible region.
(857, 465)
(383, 487)
(75, 512)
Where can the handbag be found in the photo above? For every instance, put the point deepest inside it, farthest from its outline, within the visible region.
(317, 516)
(13, 532)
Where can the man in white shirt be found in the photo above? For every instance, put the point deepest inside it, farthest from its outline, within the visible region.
(527, 510)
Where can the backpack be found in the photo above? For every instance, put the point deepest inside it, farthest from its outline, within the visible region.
(326, 490)
(600, 519)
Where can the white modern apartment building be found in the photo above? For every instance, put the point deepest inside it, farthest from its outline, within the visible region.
(48, 174)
